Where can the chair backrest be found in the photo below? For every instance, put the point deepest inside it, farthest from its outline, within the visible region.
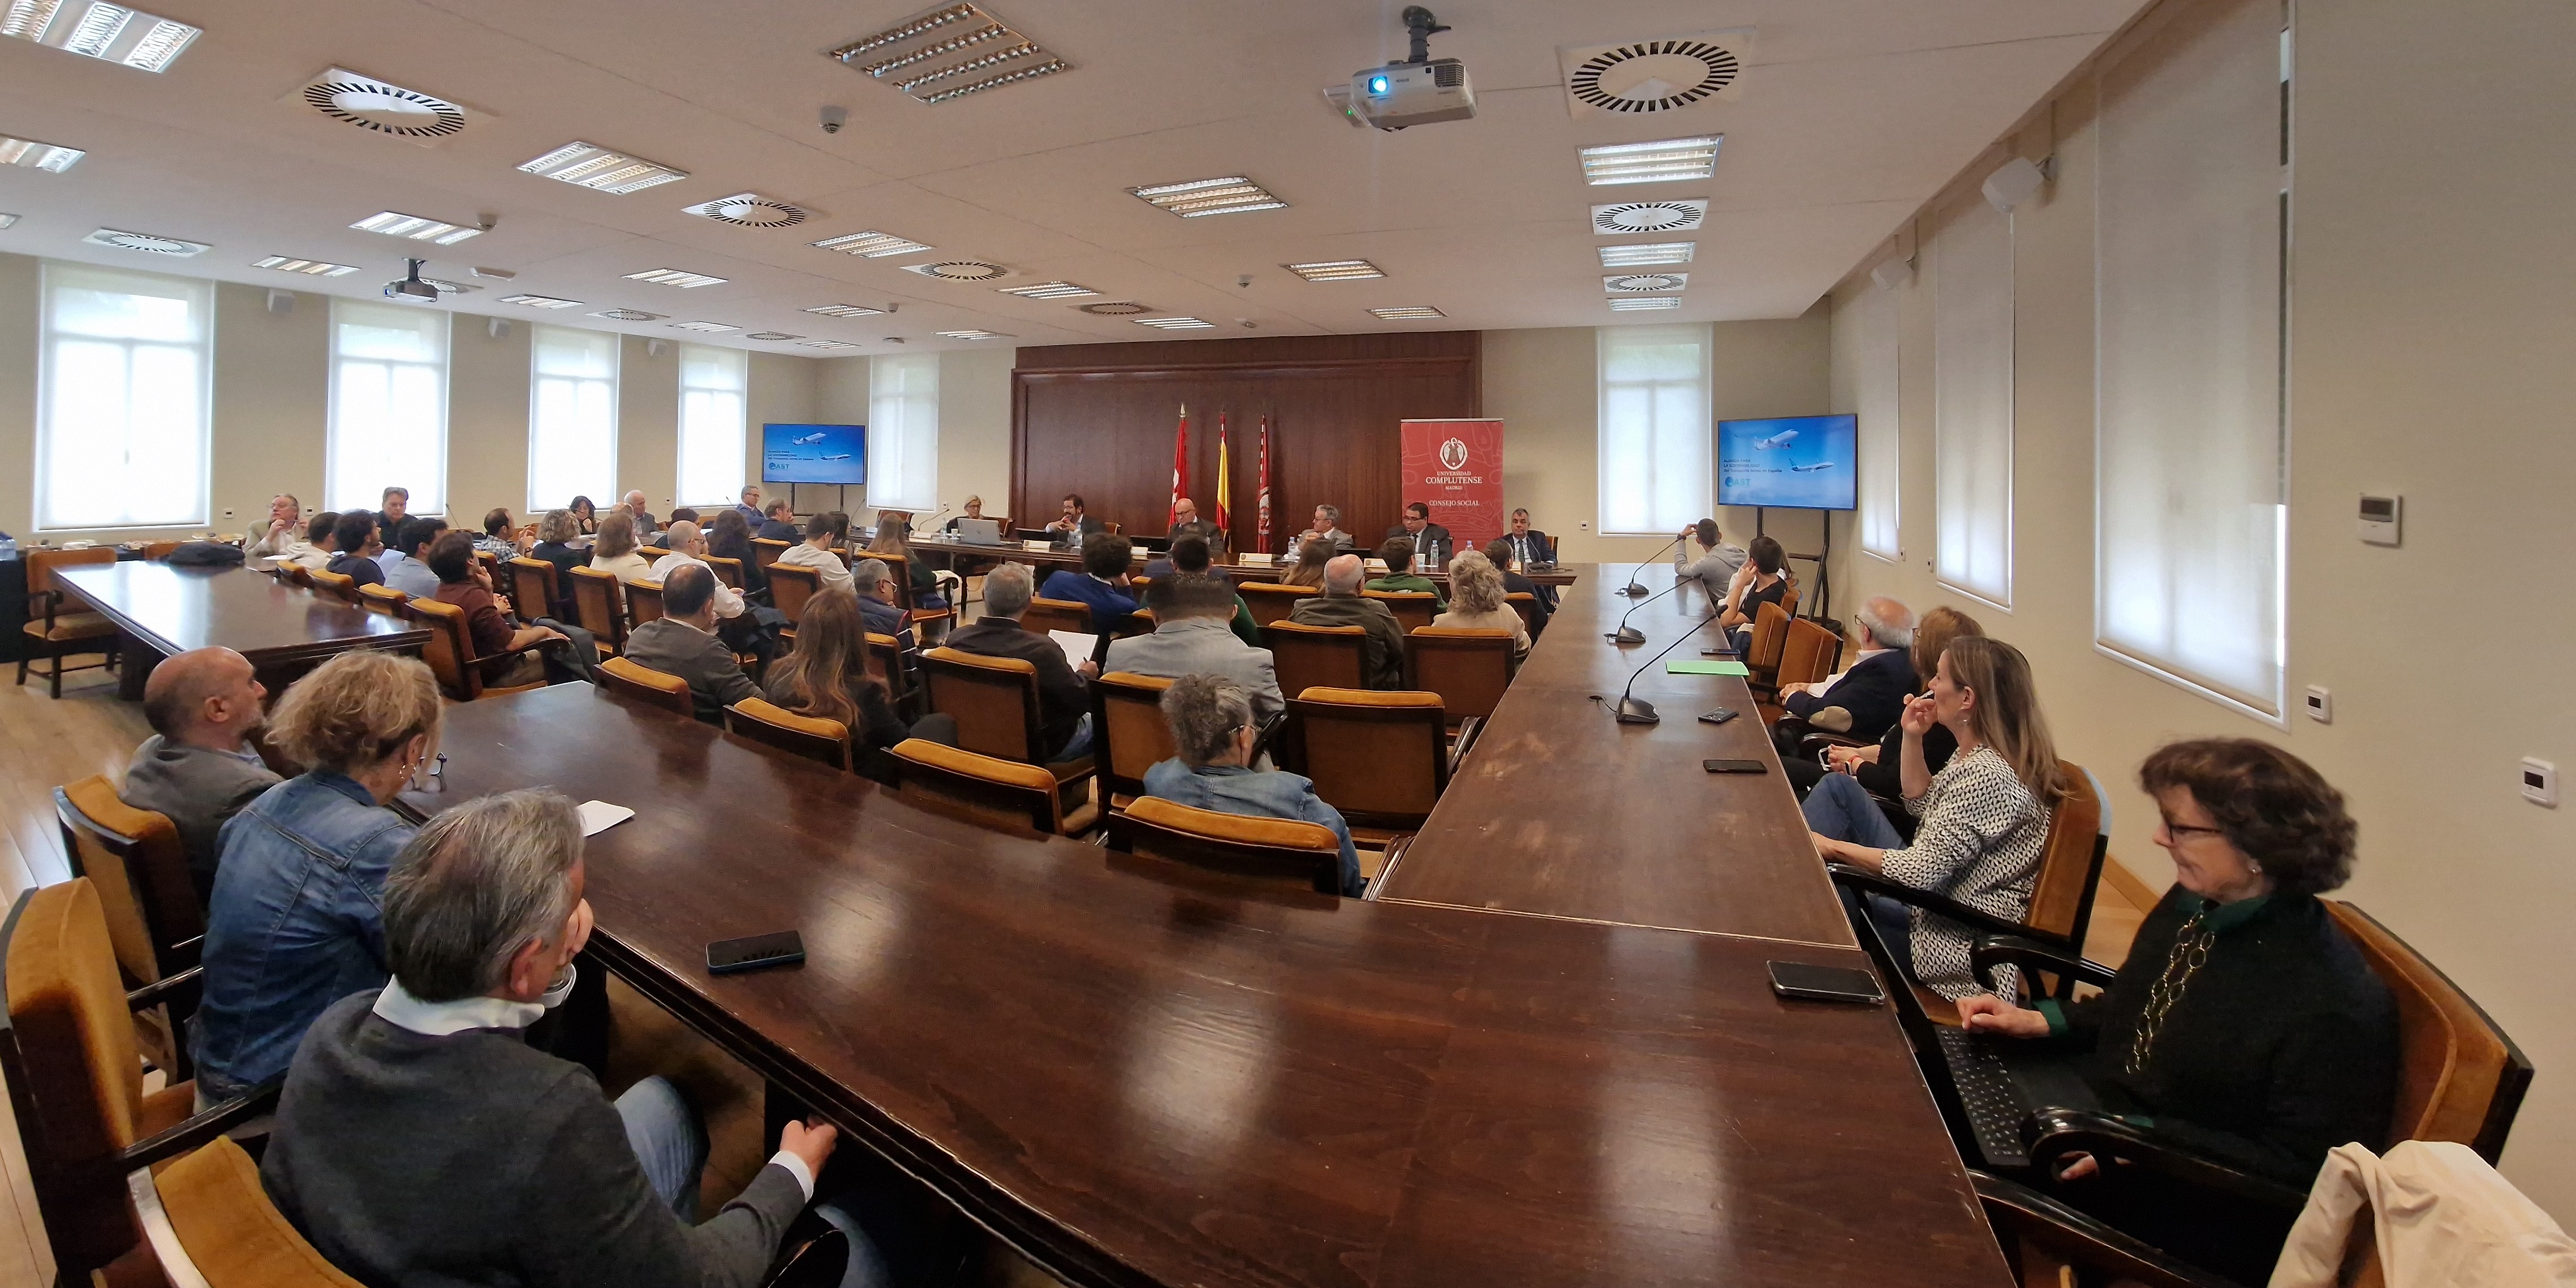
(450, 651)
(1380, 758)
(140, 867)
(790, 585)
(532, 588)
(1045, 615)
(2070, 860)
(1807, 654)
(1469, 669)
(381, 598)
(1128, 732)
(728, 570)
(2459, 1078)
(75, 1073)
(42, 563)
(993, 699)
(1004, 793)
(1282, 851)
(885, 661)
(1413, 609)
(1789, 596)
(1770, 634)
(209, 1221)
(775, 726)
(599, 604)
(295, 574)
(765, 552)
(338, 585)
(644, 684)
(643, 600)
(1270, 601)
(1525, 604)
(1317, 657)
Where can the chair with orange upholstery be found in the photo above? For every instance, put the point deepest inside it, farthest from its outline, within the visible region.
(995, 703)
(338, 585)
(1043, 615)
(56, 628)
(644, 684)
(533, 589)
(1128, 732)
(1413, 609)
(599, 607)
(643, 602)
(140, 867)
(1264, 851)
(1272, 602)
(208, 1223)
(989, 789)
(1807, 656)
(765, 552)
(450, 651)
(1381, 758)
(771, 725)
(380, 598)
(1525, 604)
(1309, 657)
(1469, 669)
(728, 570)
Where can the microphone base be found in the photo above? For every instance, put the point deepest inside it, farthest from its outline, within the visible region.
(1633, 590)
(1635, 711)
(1626, 635)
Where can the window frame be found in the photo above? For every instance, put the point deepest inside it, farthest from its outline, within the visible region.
(1945, 434)
(371, 494)
(898, 442)
(1701, 473)
(740, 361)
(201, 296)
(607, 495)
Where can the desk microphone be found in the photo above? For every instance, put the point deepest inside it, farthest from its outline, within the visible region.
(1627, 634)
(1630, 710)
(1635, 587)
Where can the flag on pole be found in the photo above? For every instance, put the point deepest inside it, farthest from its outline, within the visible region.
(1180, 466)
(1224, 466)
(1265, 486)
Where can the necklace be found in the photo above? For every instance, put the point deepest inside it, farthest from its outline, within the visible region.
(2190, 953)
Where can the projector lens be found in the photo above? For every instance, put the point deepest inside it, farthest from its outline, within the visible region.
(1377, 84)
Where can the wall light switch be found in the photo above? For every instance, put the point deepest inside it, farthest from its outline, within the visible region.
(228, 514)
(2320, 704)
(2540, 782)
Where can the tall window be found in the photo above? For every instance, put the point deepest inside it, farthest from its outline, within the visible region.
(388, 406)
(711, 424)
(1881, 460)
(572, 418)
(1972, 399)
(2192, 443)
(122, 438)
(1655, 429)
(903, 432)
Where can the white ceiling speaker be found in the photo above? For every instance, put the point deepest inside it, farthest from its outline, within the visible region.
(1648, 76)
(497, 328)
(2016, 181)
(748, 210)
(654, 348)
(1648, 283)
(350, 98)
(959, 270)
(281, 301)
(1893, 273)
(146, 243)
(1649, 216)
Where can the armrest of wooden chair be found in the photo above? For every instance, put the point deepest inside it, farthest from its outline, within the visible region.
(2063, 1235)
(2054, 1136)
(190, 1134)
(1468, 728)
(1868, 882)
(2023, 948)
(1392, 855)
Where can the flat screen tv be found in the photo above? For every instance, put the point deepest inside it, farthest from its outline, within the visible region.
(1789, 463)
(813, 453)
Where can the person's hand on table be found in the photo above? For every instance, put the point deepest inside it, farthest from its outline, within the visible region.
(811, 1141)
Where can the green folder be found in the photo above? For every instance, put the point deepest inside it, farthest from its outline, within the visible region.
(1696, 667)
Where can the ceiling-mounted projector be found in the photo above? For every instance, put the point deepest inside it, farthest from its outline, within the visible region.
(411, 287)
(1421, 90)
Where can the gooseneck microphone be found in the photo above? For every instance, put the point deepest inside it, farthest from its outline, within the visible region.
(1634, 710)
(1634, 587)
(1627, 634)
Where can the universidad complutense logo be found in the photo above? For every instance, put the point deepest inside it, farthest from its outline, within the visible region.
(1453, 455)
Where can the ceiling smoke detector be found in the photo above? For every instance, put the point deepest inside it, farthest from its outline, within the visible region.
(146, 243)
(1648, 76)
(948, 53)
(748, 210)
(1115, 308)
(959, 270)
(1649, 216)
(351, 98)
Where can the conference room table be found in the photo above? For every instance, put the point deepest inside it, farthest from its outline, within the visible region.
(284, 630)
(1017, 552)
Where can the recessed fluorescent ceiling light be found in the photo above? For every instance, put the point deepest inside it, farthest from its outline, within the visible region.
(7, 220)
(540, 301)
(416, 228)
(629, 315)
(703, 326)
(870, 244)
(917, 57)
(1646, 283)
(309, 267)
(1174, 324)
(146, 242)
(1048, 291)
(99, 30)
(1636, 302)
(1209, 197)
(1692, 158)
(39, 156)
(824, 344)
(844, 310)
(1649, 253)
(674, 277)
(589, 165)
(1336, 270)
(974, 335)
(1408, 313)
(772, 335)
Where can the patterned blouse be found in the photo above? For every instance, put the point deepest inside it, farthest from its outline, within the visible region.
(1979, 843)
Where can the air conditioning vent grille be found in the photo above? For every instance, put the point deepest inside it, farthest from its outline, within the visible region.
(959, 270)
(748, 210)
(1115, 308)
(146, 243)
(1644, 77)
(384, 108)
(1648, 216)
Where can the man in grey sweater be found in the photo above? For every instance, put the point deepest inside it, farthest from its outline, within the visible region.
(422, 1143)
(1715, 562)
(197, 768)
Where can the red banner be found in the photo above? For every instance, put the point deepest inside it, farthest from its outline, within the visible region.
(1456, 468)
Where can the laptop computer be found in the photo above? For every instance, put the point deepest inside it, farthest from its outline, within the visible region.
(980, 532)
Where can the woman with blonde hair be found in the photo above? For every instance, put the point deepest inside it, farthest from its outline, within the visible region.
(1309, 568)
(1476, 601)
(892, 545)
(294, 923)
(827, 678)
(1983, 818)
(1876, 766)
(615, 549)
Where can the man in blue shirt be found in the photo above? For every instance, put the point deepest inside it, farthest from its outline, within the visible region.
(1102, 583)
(1211, 719)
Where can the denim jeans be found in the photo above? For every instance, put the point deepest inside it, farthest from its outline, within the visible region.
(1079, 744)
(1840, 809)
(668, 1140)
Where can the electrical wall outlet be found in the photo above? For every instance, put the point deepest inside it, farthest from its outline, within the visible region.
(2540, 782)
(2320, 704)
(228, 514)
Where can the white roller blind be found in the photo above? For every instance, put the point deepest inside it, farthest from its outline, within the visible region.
(388, 406)
(1972, 401)
(1655, 431)
(2192, 445)
(903, 432)
(572, 418)
(712, 382)
(1881, 460)
(122, 433)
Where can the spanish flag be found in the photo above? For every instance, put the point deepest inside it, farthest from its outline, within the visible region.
(1224, 487)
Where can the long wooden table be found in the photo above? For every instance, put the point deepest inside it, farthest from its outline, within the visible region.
(951, 551)
(284, 630)
(1135, 1081)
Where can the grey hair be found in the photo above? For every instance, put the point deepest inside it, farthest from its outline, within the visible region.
(866, 573)
(1007, 590)
(1332, 512)
(1343, 575)
(476, 885)
(558, 526)
(1204, 712)
(1886, 630)
(1475, 584)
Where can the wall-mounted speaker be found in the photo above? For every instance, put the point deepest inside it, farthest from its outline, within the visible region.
(1894, 273)
(281, 301)
(653, 348)
(2016, 181)
(497, 328)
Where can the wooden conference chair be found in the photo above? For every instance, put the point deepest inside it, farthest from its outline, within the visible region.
(1469, 669)
(1128, 732)
(206, 1222)
(599, 607)
(728, 570)
(1045, 615)
(1762, 658)
(54, 630)
(765, 552)
(1382, 759)
(995, 703)
(988, 789)
(154, 920)
(771, 725)
(533, 589)
(886, 661)
(790, 585)
(1272, 602)
(1807, 655)
(1317, 657)
(907, 601)
(1525, 604)
(644, 684)
(451, 656)
(381, 598)
(1413, 609)
(643, 602)
(1279, 852)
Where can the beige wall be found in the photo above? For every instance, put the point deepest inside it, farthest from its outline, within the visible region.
(2430, 284)
(974, 422)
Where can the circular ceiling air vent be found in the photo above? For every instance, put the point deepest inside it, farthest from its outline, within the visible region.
(772, 335)
(145, 242)
(1647, 282)
(386, 109)
(1648, 216)
(750, 210)
(1654, 76)
(1115, 308)
(959, 270)
(629, 315)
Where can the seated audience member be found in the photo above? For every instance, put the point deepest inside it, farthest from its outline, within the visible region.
(1984, 817)
(748, 506)
(1400, 577)
(1327, 529)
(1192, 554)
(500, 537)
(1479, 606)
(827, 678)
(1064, 699)
(1527, 545)
(401, 561)
(822, 532)
(729, 537)
(293, 925)
(281, 535)
(1382, 652)
(321, 541)
(197, 768)
(614, 550)
(1428, 543)
(874, 583)
(1213, 729)
(1876, 768)
(555, 534)
(463, 581)
(355, 544)
(661, 540)
(683, 642)
(585, 515)
(2245, 1025)
(1865, 698)
(1498, 552)
(1706, 557)
(1073, 525)
(1308, 570)
(1760, 581)
(422, 1140)
(645, 527)
(778, 523)
(1101, 586)
(1193, 636)
(395, 506)
(893, 544)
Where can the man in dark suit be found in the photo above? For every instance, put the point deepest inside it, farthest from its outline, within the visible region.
(1382, 652)
(1064, 694)
(1187, 523)
(1430, 541)
(1101, 584)
(682, 642)
(1528, 547)
(395, 507)
(1499, 551)
(780, 525)
(1867, 697)
(1073, 525)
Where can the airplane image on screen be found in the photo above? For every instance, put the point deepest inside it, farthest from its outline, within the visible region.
(1810, 469)
(1781, 439)
(808, 441)
(838, 456)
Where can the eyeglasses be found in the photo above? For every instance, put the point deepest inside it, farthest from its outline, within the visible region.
(2180, 830)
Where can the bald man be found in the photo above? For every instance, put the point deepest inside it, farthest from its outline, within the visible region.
(1382, 652)
(197, 768)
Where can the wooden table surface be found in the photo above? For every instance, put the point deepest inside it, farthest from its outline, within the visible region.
(1017, 553)
(1563, 811)
(280, 628)
(1136, 1081)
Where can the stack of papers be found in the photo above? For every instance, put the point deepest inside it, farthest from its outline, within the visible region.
(1076, 645)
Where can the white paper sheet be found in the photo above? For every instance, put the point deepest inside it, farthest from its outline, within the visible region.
(599, 816)
(1076, 645)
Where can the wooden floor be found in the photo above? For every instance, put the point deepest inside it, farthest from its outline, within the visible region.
(45, 743)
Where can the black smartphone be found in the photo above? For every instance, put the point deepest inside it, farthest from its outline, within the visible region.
(1718, 716)
(1714, 652)
(1825, 983)
(759, 952)
(1733, 766)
